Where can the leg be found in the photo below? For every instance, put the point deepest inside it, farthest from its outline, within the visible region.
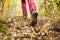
(32, 6)
(24, 10)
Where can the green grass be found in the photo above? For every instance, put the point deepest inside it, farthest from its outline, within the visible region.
(3, 21)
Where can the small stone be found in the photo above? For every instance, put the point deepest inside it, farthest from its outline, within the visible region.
(11, 24)
(27, 36)
(9, 19)
(14, 34)
(36, 30)
(43, 34)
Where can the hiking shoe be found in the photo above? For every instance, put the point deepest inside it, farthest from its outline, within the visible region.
(34, 19)
(24, 16)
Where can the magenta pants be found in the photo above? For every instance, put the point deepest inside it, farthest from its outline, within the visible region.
(31, 4)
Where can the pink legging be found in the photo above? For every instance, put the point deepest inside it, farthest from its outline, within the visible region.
(31, 4)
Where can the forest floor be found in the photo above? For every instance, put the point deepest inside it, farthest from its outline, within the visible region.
(18, 28)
